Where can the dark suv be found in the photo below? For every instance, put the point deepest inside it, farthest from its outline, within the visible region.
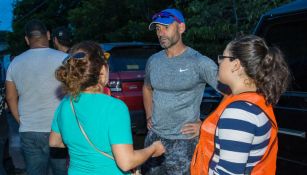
(286, 27)
(127, 64)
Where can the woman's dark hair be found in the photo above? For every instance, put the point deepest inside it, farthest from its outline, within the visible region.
(78, 74)
(265, 65)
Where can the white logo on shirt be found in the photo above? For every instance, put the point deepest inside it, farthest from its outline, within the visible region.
(183, 70)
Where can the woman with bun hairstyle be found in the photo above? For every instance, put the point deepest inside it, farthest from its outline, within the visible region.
(240, 136)
(95, 127)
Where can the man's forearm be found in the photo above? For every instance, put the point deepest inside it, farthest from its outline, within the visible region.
(147, 98)
(12, 99)
(13, 106)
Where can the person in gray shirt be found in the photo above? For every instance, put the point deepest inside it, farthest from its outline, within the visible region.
(173, 88)
(32, 94)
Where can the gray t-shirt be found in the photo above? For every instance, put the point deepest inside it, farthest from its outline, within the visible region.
(178, 85)
(33, 73)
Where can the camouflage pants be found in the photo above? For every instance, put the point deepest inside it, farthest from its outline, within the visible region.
(176, 159)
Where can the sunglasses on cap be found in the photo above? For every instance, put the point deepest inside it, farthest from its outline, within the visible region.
(78, 56)
(81, 55)
(165, 15)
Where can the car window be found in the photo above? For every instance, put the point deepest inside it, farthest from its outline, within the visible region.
(291, 38)
(130, 58)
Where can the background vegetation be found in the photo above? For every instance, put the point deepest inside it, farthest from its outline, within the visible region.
(210, 23)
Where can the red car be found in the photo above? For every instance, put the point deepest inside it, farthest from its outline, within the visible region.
(127, 64)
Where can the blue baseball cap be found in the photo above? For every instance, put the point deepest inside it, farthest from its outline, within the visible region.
(166, 17)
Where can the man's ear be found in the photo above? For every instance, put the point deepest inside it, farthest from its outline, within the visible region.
(55, 42)
(48, 35)
(27, 40)
(181, 27)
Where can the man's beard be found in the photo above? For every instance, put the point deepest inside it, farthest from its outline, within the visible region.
(167, 42)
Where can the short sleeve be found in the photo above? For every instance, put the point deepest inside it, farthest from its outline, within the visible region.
(120, 127)
(208, 71)
(147, 72)
(9, 73)
(55, 125)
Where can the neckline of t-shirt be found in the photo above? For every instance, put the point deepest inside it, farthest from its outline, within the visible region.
(39, 48)
(92, 93)
(178, 56)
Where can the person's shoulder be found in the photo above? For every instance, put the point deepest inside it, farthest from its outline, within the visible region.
(56, 56)
(20, 57)
(157, 55)
(201, 61)
(111, 101)
(66, 98)
(56, 52)
(197, 55)
(154, 57)
(65, 101)
(117, 102)
(246, 106)
(245, 111)
(113, 105)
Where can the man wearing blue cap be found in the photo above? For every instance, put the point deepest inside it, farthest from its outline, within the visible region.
(173, 88)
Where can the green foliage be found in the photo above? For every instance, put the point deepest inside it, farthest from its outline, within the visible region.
(116, 20)
(210, 24)
(2, 35)
(52, 13)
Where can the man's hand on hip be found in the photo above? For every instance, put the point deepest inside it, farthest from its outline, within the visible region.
(191, 129)
(149, 123)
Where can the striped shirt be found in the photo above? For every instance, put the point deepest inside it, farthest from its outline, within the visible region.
(242, 136)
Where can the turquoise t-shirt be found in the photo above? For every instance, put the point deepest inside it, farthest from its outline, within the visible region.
(105, 120)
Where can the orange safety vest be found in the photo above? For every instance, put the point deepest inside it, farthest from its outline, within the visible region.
(205, 148)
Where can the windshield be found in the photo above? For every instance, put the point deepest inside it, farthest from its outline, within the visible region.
(130, 58)
(291, 37)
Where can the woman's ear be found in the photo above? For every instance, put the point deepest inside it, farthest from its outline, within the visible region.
(235, 64)
(237, 67)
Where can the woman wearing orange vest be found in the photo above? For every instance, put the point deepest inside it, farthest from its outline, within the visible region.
(240, 136)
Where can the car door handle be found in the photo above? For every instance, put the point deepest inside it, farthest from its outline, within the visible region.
(296, 133)
(132, 87)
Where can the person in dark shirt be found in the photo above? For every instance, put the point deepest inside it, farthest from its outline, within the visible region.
(61, 38)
